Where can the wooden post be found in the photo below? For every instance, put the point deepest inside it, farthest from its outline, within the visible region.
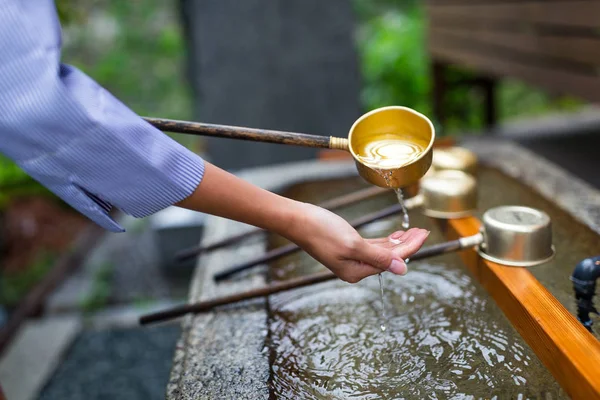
(439, 91)
(488, 85)
(564, 346)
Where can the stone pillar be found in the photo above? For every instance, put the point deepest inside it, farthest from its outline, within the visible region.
(273, 64)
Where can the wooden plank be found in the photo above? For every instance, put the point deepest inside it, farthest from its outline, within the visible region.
(579, 49)
(562, 81)
(572, 13)
(564, 346)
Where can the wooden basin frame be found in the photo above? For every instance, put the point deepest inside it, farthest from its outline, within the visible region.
(565, 347)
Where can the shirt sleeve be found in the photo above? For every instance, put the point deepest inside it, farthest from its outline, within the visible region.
(74, 137)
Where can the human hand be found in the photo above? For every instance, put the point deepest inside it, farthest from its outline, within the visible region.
(333, 242)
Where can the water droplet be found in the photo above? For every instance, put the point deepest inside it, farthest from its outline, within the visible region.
(407, 260)
(395, 241)
(405, 222)
(382, 326)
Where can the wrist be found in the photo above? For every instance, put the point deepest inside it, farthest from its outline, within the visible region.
(292, 220)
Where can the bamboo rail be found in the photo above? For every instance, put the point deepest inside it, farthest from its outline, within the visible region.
(307, 280)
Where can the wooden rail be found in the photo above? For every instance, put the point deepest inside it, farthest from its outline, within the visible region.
(565, 13)
(554, 45)
(564, 346)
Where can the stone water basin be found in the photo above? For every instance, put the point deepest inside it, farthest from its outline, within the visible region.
(445, 336)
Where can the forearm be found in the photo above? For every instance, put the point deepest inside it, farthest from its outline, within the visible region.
(225, 195)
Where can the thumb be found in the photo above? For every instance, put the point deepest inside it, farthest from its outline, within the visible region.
(381, 258)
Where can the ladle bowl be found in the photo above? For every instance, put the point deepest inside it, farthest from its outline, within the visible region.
(410, 129)
(449, 194)
(516, 236)
(455, 158)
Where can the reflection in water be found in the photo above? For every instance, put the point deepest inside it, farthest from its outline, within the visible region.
(440, 342)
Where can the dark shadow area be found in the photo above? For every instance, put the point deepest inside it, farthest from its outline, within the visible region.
(576, 153)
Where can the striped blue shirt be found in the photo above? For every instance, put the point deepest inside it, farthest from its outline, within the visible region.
(74, 137)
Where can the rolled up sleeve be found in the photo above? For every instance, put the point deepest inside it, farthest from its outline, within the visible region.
(73, 136)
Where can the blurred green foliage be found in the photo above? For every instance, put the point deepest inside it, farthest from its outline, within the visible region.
(14, 285)
(394, 61)
(396, 70)
(14, 182)
(136, 50)
(99, 295)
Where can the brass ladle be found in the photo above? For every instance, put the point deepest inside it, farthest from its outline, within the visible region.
(387, 123)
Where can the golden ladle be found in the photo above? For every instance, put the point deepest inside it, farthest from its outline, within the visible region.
(392, 146)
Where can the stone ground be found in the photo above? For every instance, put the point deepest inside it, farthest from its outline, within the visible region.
(113, 364)
(89, 344)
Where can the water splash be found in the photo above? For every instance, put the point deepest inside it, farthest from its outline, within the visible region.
(387, 176)
(405, 218)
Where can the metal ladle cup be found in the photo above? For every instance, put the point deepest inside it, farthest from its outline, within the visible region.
(449, 194)
(455, 158)
(394, 122)
(515, 236)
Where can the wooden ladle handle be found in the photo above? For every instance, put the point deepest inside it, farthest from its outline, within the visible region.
(242, 133)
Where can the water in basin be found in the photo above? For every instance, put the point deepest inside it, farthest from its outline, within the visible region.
(445, 337)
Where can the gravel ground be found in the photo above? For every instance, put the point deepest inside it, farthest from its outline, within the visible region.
(116, 364)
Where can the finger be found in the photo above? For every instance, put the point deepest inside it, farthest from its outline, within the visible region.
(379, 257)
(412, 240)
